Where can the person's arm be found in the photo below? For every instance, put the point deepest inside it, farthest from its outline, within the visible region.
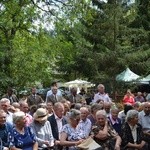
(64, 142)
(35, 146)
(118, 142)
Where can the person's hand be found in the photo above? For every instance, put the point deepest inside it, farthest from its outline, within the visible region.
(79, 142)
(57, 142)
(46, 143)
(117, 147)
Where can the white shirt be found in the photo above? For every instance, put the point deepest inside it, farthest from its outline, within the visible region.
(85, 127)
(103, 97)
(9, 117)
(59, 124)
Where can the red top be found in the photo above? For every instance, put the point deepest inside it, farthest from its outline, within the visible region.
(128, 99)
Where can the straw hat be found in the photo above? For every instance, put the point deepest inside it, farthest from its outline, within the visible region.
(40, 114)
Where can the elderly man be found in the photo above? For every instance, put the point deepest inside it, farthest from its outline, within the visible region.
(144, 120)
(4, 128)
(33, 98)
(57, 121)
(139, 97)
(101, 95)
(25, 108)
(5, 105)
(54, 97)
(85, 124)
(73, 97)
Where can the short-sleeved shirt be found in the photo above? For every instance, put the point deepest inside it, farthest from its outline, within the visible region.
(72, 134)
(23, 141)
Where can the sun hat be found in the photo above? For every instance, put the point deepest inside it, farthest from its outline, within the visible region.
(40, 114)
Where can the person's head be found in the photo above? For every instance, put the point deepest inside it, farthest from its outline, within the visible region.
(19, 119)
(77, 106)
(33, 90)
(74, 117)
(84, 113)
(128, 92)
(101, 88)
(24, 106)
(5, 104)
(132, 117)
(136, 106)
(42, 105)
(127, 107)
(33, 109)
(74, 91)
(66, 108)
(54, 84)
(2, 117)
(49, 107)
(54, 90)
(40, 115)
(101, 117)
(9, 91)
(15, 105)
(146, 108)
(114, 112)
(139, 94)
(58, 109)
(107, 107)
(94, 108)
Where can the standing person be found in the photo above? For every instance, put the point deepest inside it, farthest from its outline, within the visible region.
(101, 95)
(33, 98)
(50, 91)
(21, 136)
(5, 105)
(42, 129)
(54, 97)
(10, 95)
(85, 124)
(73, 97)
(5, 127)
(57, 120)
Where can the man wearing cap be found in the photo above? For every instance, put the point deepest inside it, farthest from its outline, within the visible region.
(57, 121)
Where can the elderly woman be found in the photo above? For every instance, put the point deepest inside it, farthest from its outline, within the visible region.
(21, 137)
(70, 135)
(5, 127)
(131, 132)
(104, 134)
(42, 129)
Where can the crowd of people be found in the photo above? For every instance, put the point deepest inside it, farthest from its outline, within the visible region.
(64, 123)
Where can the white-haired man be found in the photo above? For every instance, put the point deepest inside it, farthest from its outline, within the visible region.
(5, 105)
(85, 124)
(101, 95)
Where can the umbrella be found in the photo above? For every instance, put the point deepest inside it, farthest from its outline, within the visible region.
(127, 76)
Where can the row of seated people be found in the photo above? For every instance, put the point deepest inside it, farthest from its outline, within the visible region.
(58, 131)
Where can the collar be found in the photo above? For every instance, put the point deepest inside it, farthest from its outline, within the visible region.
(102, 93)
(113, 121)
(133, 128)
(145, 114)
(56, 117)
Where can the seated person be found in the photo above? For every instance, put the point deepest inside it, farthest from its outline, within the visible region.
(21, 137)
(4, 129)
(104, 134)
(42, 129)
(70, 135)
(131, 133)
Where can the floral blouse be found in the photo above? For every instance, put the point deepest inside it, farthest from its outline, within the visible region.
(73, 134)
(23, 141)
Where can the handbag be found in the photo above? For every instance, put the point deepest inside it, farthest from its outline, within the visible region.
(89, 144)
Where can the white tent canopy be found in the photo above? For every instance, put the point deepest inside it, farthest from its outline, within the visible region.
(145, 80)
(127, 76)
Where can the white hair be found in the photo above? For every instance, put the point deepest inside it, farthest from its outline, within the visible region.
(5, 100)
(18, 116)
(101, 112)
(131, 114)
(100, 85)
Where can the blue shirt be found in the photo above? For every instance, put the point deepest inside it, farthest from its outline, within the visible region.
(23, 141)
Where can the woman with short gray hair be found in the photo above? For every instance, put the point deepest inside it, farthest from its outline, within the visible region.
(131, 133)
(70, 135)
